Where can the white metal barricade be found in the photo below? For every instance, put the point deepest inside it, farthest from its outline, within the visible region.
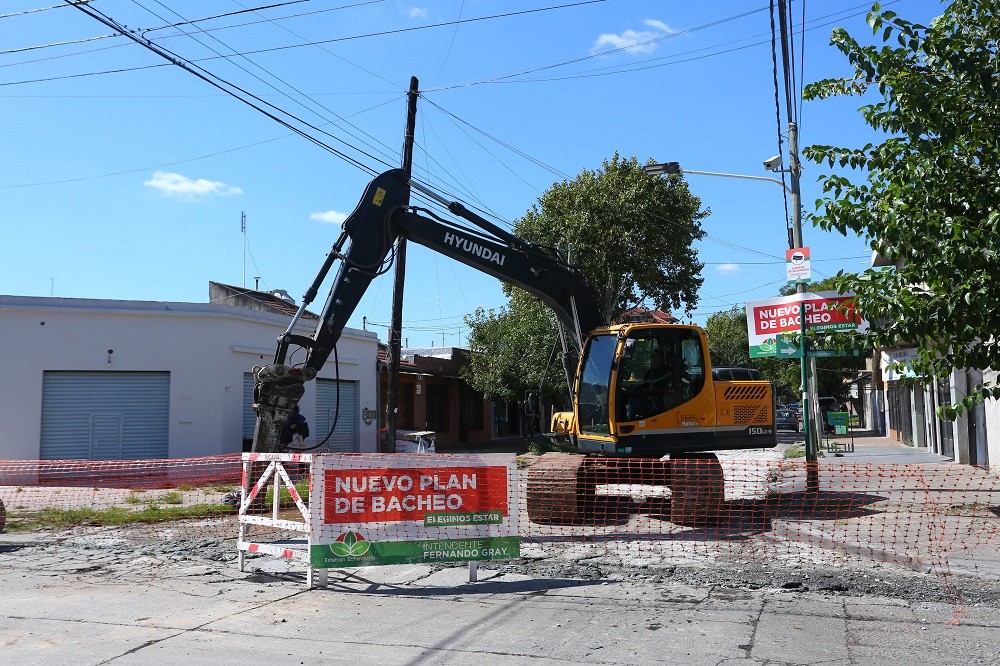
(276, 476)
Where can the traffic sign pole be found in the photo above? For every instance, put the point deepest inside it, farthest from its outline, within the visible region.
(812, 445)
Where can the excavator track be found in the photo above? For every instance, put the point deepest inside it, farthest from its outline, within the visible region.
(562, 486)
(697, 489)
(560, 491)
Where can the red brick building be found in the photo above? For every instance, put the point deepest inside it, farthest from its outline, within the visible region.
(433, 396)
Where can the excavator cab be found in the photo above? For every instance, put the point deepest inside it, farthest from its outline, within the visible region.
(647, 390)
(659, 369)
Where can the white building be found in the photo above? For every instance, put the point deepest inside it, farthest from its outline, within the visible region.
(103, 379)
(910, 412)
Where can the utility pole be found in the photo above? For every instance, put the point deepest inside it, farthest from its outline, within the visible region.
(396, 324)
(807, 366)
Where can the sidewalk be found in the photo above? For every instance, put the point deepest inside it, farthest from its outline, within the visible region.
(934, 515)
(872, 448)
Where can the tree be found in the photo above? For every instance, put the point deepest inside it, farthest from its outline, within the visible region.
(928, 198)
(514, 346)
(728, 340)
(631, 235)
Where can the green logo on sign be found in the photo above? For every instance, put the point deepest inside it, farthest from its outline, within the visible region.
(350, 544)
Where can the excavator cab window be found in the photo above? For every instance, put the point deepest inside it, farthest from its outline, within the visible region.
(660, 369)
(595, 385)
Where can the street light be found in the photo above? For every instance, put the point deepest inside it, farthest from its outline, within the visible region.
(674, 168)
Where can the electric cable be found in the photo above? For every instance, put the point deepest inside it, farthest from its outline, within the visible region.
(386, 150)
(231, 89)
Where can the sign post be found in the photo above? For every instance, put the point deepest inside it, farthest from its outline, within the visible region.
(773, 322)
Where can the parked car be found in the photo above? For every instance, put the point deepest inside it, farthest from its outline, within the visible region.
(786, 419)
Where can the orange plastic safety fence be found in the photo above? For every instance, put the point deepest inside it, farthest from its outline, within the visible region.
(939, 518)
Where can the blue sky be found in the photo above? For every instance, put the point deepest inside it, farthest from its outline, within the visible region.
(125, 177)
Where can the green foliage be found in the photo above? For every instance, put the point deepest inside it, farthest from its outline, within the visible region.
(728, 340)
(285, 497)
(172, 497)
(514, 345)
(926, 197)
(631, 235)
(52, 518)
(796, 450)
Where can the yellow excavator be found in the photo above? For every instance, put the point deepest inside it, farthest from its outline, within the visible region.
(645, 406)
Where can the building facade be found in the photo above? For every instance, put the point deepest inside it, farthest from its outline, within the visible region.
(433, 397)
(110, 379)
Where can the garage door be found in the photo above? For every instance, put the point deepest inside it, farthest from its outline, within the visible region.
(345, 436)
(105, 415)
(249, 416)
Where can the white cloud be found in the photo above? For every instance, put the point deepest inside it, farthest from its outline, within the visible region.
(182, 187)
(728, 269)
(634, 41)
(331, 216)
(417, 12)
(659, 26)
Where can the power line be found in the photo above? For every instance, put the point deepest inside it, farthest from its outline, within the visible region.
(384, 33)
(235, 91)
(771, 263)
(386, 151)
(603, 54)
(33, 11)
(653, 63)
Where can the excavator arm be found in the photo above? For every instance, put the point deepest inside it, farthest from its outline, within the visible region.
(369, 234)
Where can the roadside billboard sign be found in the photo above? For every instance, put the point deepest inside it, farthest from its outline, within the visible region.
(773, 322)
(374, 509)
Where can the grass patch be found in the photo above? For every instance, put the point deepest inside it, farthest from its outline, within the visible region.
(795, 451)
(51, 518)
(172, 497)
(540, 446)
(285, 498)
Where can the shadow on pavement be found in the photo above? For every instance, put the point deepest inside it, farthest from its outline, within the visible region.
(355, 584)
(739, 519)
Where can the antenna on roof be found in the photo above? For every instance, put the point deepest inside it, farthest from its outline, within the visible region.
(243, 230)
